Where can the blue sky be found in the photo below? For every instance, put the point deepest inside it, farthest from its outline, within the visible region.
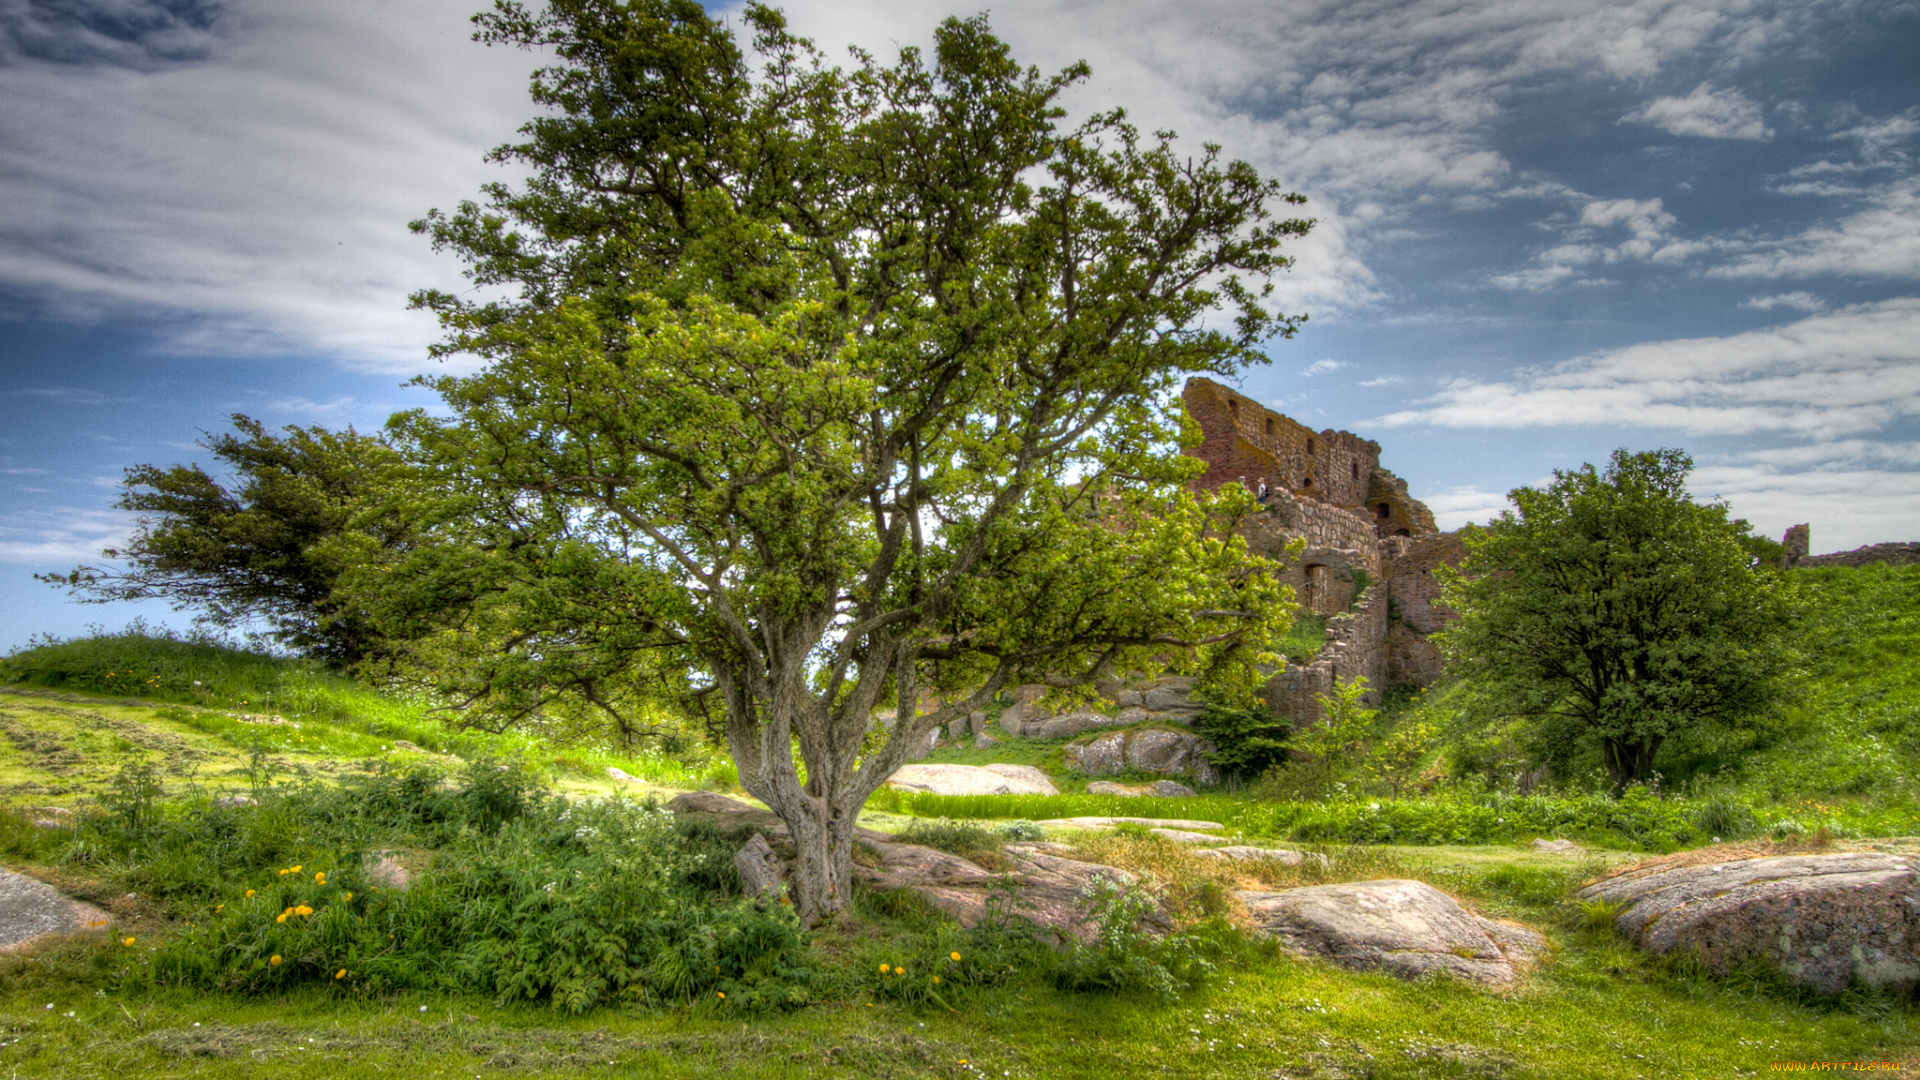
(1547, 229)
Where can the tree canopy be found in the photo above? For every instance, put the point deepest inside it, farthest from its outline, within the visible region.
(268, 548)
(1611, 608)
(852, 389)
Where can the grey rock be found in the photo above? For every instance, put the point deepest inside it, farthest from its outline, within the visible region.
(1101, 756)
(1110, 822)
(762, 874)
(1170, 694)
(1128, 699)
(977, 723)
(1404, 928)
(31, 910)
(1171, 789)
(972, 780)
(1043, 888)
(1183, 836)
(1108, 787)
(1013, 720)
(236, 800)
(1132, 714)
(985, 741)
(1243, 853)
(1824, 921)
(1558, 847)
(1158, 751)
(1035, 779)
(621, 775)
(386, 871)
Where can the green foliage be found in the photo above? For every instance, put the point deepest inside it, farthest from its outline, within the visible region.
(269, 549)
(1127, 954)
(1344, 726)
(724, 400)
(1303, 639)
(1613, 610)
(1246, 742)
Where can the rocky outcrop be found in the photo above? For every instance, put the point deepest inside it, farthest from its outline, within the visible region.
(1823, 921)
(1042, 887)
(762, 874)
(1162, 789)
(996, 779)
(31, 910)
(1243, 853)
(1168, 699)
(1404, 928)
(1153, 750)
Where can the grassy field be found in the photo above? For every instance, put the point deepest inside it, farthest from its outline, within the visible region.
(467, 993)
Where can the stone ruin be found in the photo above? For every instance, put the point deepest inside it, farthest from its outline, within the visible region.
(1798, 541)
(1371, 548)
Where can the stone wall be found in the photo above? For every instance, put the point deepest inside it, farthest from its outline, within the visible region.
(1356, 647)
(1890, 554)
(1413, 591)
(1244, 439)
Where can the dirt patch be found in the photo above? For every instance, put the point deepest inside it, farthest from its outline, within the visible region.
(43, 750)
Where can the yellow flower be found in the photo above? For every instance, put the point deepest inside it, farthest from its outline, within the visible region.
(283, 873)
(936, 980)
(128, 942)
(219, 908)
(295, 870)
(954, 956)
(274, 960)
(341, 974)
(320, 878)
(282, 917)
(349, 897)
(722, 993)
(303, 911)
(884, 969)
(898, 970)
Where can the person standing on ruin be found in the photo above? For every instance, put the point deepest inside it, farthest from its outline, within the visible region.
(1263, 489)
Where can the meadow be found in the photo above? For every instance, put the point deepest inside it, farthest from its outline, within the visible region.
(556, 922)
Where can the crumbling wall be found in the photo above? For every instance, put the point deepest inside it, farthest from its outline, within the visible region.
(1356, 647)
(1890, 554)
(1795, 545)
(1413, 590)
(1247, 442)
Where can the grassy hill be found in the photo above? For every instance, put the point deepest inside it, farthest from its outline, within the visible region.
(548, 904)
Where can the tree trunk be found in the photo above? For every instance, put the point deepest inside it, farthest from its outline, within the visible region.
(1628, 761)
(822, 878)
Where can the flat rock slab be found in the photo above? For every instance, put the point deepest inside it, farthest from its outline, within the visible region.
(1183, 836)
(994, 779)
(1160, 789)
(1043, 888)
(1243, 853)
(31, 910)
(1110, 822)
(1825, 921)
(1558, 847)
(1404, 928)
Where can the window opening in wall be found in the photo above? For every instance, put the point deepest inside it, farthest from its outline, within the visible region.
(1385, 511)
(1308, 482)
(1309, 447)
(1355, 466)
(1269, 425)
(1401, 532)
(1233, 407)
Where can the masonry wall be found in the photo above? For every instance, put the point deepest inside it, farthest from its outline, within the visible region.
(1356, 647)
(1413, 591)
(1890, 554)
(1244, 438)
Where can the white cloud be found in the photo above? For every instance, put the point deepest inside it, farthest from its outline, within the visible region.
(1468, 505)
(1882, 240)
(1384, 380)
(1595, 238)
(1849, 372)
(1848, 508)
(1798, 301)
(1707, 113)
(1322, 367)
(59, 538)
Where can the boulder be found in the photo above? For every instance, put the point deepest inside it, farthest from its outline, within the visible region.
(1108, 787)
(1243, 853)
(622, 776)
(1035, 779)
(385, 870)
(984, 741)
(1132, 714)
(1110, 822)
(972, 780)
(31, 910)
(1404, 928)
(1052, 892)
(1153, 750)
(1173, 693)
(1823, 921)
(762, 874)
(1183, 836)
(1170, 789)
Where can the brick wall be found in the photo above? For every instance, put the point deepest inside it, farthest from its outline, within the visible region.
(1890, 554)
(1244, 438)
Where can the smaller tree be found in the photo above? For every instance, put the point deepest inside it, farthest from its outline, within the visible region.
(1333, 741)
(265, 548)
(1611, 608)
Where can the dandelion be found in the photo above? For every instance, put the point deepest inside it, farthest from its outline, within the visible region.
(954, 956)
(936, 980)
(898, 970)
(320, 878)
(722, 994)
(341, 974)
(349, 898)
(303, 911)
(249, 894)
(128, 942)
(274, 960)
(295, 870)
(218, 908)
(884, 968)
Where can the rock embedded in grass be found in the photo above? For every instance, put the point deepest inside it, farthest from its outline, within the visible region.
(31, 910)
(1052, 892)
(1403, 928)
(1824, 922)
(996, 779)
(1244, 853)
(1153, 750)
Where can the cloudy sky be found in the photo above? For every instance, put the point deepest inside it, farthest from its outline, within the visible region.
(1548, 228)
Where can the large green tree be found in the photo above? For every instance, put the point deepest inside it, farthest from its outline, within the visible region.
(854, 389)
(1611, 607)
(265, 546)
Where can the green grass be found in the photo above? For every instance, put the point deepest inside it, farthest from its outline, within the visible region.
(226, 702)
(1304, 638)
